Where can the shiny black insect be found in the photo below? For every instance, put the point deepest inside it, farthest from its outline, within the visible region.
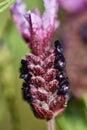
(24, 71)
(63, 87)
(25, 92)
(58, 46)
(26, 76)
(59, 62)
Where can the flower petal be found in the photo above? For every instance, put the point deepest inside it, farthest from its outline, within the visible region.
(37, 30)
(50, 14)
(18, 9)
(49, 19)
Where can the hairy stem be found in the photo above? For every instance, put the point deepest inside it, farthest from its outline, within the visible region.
(51, 124)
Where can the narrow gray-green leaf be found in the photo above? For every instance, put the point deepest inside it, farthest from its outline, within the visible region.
(5, 4)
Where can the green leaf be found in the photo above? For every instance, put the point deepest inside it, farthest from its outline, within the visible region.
(5, 4)
(74, 117)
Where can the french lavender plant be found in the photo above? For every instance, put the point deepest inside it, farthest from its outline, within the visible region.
(46, 86)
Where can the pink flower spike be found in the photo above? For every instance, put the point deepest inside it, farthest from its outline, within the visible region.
(73, 5)
(46, 86)
(35, 28)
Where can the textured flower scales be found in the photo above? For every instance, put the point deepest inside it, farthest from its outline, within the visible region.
(46, 85)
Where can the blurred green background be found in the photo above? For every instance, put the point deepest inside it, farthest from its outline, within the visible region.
(15, 113)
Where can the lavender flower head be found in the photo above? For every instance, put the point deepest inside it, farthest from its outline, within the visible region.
(45, 85)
